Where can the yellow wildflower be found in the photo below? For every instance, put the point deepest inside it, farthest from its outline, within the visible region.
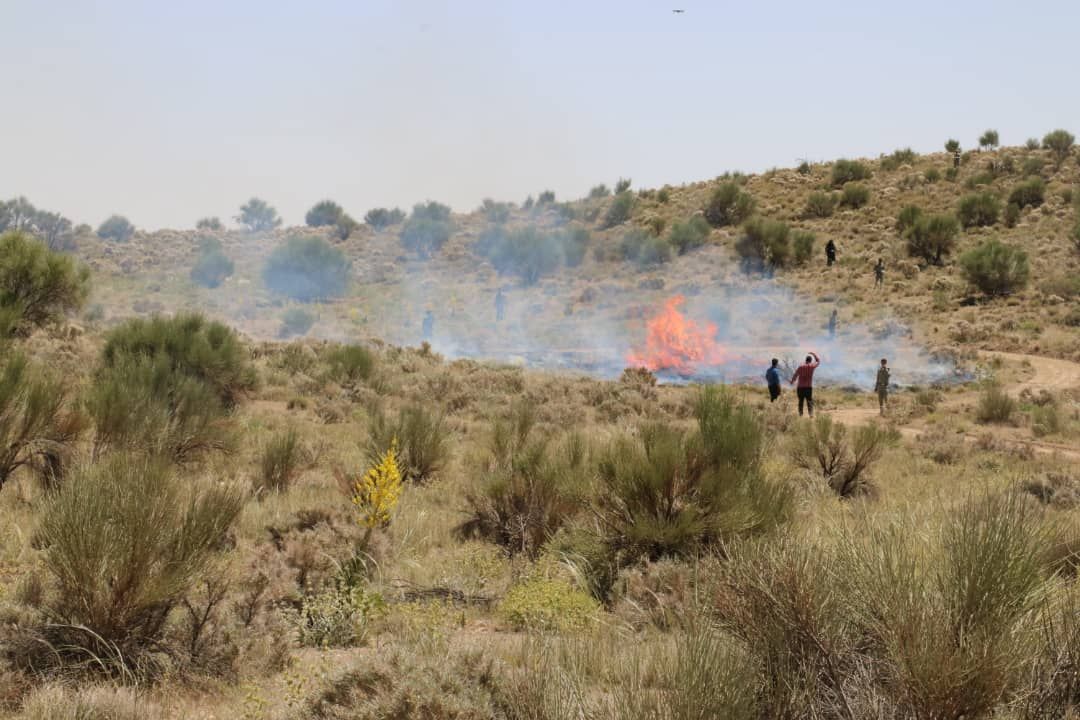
(376, 494)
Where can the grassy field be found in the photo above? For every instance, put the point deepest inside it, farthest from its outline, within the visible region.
(212, 525)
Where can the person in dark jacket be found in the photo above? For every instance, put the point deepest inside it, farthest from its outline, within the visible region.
(772, 379)
(881, 385)
(879, 273)
(804, 374)
(830, 252)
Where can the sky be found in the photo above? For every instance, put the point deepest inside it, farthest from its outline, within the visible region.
(166, 112)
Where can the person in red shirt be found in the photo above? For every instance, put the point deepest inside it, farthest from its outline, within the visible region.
(804, 374)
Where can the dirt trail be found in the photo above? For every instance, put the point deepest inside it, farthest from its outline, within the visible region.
(1049, 374)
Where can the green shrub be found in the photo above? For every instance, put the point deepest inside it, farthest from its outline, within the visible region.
(989, 139)
(995, 405)
(38, 287)
(952, 146)
(1029, 193)
(764, 244)
(932, 175)
(424, 236)
(598, 192)
(803, 168)
(1065, 285)
(908, 216)
(663, 195)
(820, 205)
(190, 345)
(280, 463)
(979, 180)
(803, 245)
(1033, 166)
(951, 173)
(543, 605)
(978, 210)
(729, 204)
(1032, 144)
(125, 540)
(422, 441)
(212, 224)
(323, 213)
(382, 218)
(496, 212)
(932, 237)
(530, 252)
(37, 425)
(547, 197)
(845, 171)
(620, 209)
(117, 228)
(686, 235)
(823, 446)
(1046, 420)
(855, 196)
(257, 216)
(307, 269)
(1012, 215)
(1060, 144)
(622, 185)
(350, 364)
(995, 268)
(212, 266)
(296, 321)
(644, 248)
(897, 158)
(345, 226)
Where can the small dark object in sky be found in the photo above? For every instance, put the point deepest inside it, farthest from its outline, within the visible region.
(678, 11)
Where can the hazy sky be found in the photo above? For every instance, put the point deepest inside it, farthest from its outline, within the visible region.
(169, 111)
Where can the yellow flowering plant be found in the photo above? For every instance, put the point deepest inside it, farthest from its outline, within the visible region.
(376, 494)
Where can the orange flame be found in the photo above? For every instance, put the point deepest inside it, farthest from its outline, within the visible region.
(676, 343)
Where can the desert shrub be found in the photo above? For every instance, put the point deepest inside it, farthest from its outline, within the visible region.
(978, 210)
(212, 224)
(497, 212)
(547, 197)
(979, 180)
(1060, 144)
(932, 175)
(995, 405)
(350, 364)
(381, 218)
(855, 195)
(672, 493)
(117, 228)
(619, 210)
(845, 171)
(144, 404)
(296, 321)
(952, 146)
(212, 266)
(338, 617)
(280, 462)
(1012, 215)
(548, 605)
(820, 205)
(823, 446)
(258, 216)
(526, 493)
(54, 230)
(38, 426)
(932, 237)
(1029, 193)
(191, 345)
(803, 246)
(907, 217)
(307, 269)
(427, 229)
(530, 252)
(764, 244)
(995, 268)
(1032, 143)
(37, 286)
(1046, 420)
(1033, 166)
(989, 139)
(422, 441)
(951, 173)
(663, 195)
(894, 160)
(687, 235)
(1065, 285)
(124, 541)
(345, 226)
(599, 191)
(98, 702)
(324, 212)
(622, 185)
(729, 204)
(644, 248)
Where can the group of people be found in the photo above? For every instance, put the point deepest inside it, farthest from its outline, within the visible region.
(879, 266)
(427, 325)
(803, 379)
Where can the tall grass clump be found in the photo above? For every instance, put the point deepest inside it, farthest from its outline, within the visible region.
(349, 364)
(729, 204)
(427, 229)
(854, 195)
(823, 446)
(1029, 193)
(820, 205)
(996, 268)
(422, 440)
(37, 286)
(124, 541)
(995, 405)
(845, 171)
(280, 462)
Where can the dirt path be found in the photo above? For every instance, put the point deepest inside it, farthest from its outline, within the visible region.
(1049, 374)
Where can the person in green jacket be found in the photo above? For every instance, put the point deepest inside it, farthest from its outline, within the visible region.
(881, 385)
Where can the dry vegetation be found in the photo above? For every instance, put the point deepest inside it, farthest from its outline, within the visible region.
(201, 524)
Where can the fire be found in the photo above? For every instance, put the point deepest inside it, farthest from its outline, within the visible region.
(677, 344)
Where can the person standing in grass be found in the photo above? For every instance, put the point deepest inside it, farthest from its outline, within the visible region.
(832, 324)
(804, 375)
(772, 378)
(879, 273)
(830, 252)
(881, 385)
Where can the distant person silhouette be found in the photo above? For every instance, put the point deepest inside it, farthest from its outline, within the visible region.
(881, 385)
(956, 159)
(500, 306)
(830, 253)
(832, 324)
(879, 273)
(804, 375)
(772, 379)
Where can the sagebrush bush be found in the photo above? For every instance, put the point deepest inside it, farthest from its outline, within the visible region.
(854, 195)
(1012, 215)
(296, 321)
(38, 426)
(996, 268)
(191, 345)
(382, 218)
(686, 235)
(307, 269)
(124, 540)
(989, 139)
(932, 175)
(952, 146)
(212, 224)
(932, 237)
(764, 244)
(350, 364)
(497, 212)
(907, 217)
(280, 462)
(644, 248)
(995, 405)
(117, 228)
(422, 439)
(729, 204)
(599, 191)
(345, 226)
(1029, 193)
(258, 216)
(212, 265)
(802, 246)
(845, 171)
(1060, 144)
(37, 286)
(324, 212)
(978, 210)
(896, 158)
(618, 212)
(530, 252)
(820, 205)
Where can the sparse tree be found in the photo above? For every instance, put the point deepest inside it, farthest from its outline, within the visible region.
(54, 229)
(116, 227)
(546, 197)
(37, 286)
(622, 185)
(382, 218)
(1060, 144)
(324, 213)
(212, 224)
(257, 216)
(16, 214)
(952, 146)
(989, 140)
(345, 227)
(978, 210)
